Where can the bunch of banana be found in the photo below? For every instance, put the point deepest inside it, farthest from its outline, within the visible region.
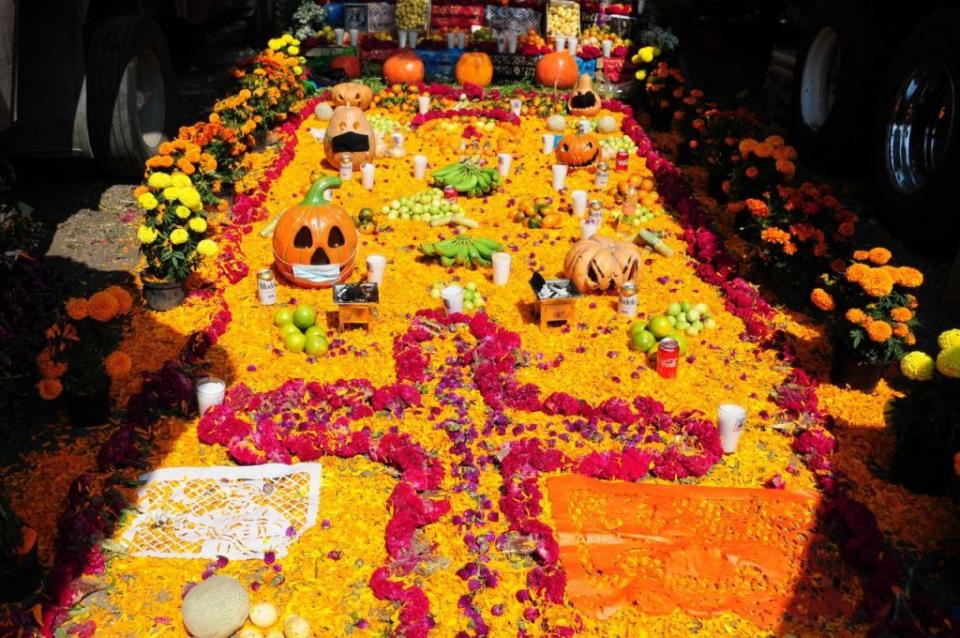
(468, 177)
(463, 250)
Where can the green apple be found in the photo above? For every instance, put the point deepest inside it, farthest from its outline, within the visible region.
(694, 315)
(637, 326)
(316, 344)
(673, 309)
(672, 320)
(295, 341)
(304, 316)
(660, 326)
(642, 340)
(314, 331)
(288, 329)
(685, 306)
(680, 340)
(710, 324)
(702, 308)
(282, 317)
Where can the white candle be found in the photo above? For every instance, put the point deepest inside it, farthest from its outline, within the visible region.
(423, 104)
(367, 173)
(501, 268)
(512, 43)
(730, 420)
(559, 176)
(210, 392)
(451, 40)
(503, 163)
(587, 229)
(572, 44)
(402, 39)
(338, 36)
(452, 299)
(579, 199)
(376, 265)
(548, 140)
(558, 42)
(419, 166)
(607, 48)
(354, 37)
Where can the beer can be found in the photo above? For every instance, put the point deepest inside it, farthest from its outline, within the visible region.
(450, 193)
(628, 299)
(623, 160)
(668, 358)
(266, 287)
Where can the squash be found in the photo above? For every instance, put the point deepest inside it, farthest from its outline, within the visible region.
(296, 627)
(585, 101)
(215, 608)
(578, 150)
(349, 64)
(474, 68)
(403, 68)
(263, 615)
(557, 70)
(599, 264)
(349, 133)
(352, 94)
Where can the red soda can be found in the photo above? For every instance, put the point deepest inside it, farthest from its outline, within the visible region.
(623, 160)
(450, 193)
(668, 357)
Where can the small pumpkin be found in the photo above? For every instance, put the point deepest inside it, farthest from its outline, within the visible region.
(578, 150)
(585, 101)
(349, 64)
(352, 94)
(599, 264)
(403, 68)
(315, 233)
(474, 68)
(349, 133)
(557, 70)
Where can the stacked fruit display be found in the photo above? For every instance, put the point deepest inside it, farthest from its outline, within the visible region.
(681, 319)
(594, 36)
(412, 15)
(299, 330)
(468, 177)
(472, 299)
(463, 251)
(428, 206)
(382, 124)
(641, 215)
(563, 18)
(537, 212)
(613, 144)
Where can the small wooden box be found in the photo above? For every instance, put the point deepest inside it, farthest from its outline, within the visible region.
(356, 314)
(356, 304)
(554, 311)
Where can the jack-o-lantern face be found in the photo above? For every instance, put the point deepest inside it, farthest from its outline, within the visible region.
(578, 151)
(599, 264)
(349, 133)
(584, 102)
(315, 242)
(352, 94)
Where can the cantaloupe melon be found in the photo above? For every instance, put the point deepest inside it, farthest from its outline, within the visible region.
(215, 608)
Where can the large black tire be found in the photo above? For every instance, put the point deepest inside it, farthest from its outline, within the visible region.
(834, 82)
(915, 156)
(130, 93)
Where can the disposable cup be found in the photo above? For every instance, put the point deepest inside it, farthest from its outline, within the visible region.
(355, 37)
(376, 265)
(559, 176)
(412, 38)
(587, 229)
(423, 104)
(419, 166)
(516, 106)
(559, 42)
(367, 175)
(572, 44)
(548, 141)
(338, 36)
(451, 40)
(501, 268)
(579, 202)
(501, 44)
(452, 299)
(402, 39)
(503, 163)
(461, 40)
(512, 43)
(730, 421)
(607, 48)
(210, 392)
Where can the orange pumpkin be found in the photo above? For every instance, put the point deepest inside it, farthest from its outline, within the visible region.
(474, 68)
(349, 64)
(403, 68)
(599, 264)
(349, 133)
(578, 151)
(557, 70)
(315, 242)
(585, 102)
(352, 94)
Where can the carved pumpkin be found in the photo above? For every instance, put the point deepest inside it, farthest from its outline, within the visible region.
(349, 64)
(585, 102)
(315, 242)
(474, 68)
(352, 94)
(599, 264)
(403, 68)
(558, 70)
(578, 151)
(349, 133)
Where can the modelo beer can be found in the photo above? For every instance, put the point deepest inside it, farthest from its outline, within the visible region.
(668, 357)
(623, 160)
(628, 299)
(266, 288)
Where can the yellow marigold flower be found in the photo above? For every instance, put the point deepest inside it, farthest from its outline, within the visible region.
(856, 272)
(877, 283)
(917, 366)
(158, 180)
(191, 198)
(822, 299)
(76, 308)
(147, 201)
(124, 300)
(879, 256)
(641, 74)
(146, 235)
(948, 362)
(879, 331)
(855, 316)
(181, 181)
(949, 339)
(49, 389)
(182, 212)
(275, 44)
(293, 50)
(901, 314)
(207, 247)
(909, 277)
(861, 255)
(298, 70)
(179, 236)
(171, 193)
(103, 306)
(118, 364)
(197, 224)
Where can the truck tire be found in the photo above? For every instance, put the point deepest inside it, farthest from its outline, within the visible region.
(130, 95)
(916, 138)
(832, 82)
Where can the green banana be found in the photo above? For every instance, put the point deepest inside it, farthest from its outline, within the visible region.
(428, 249)
(447, 261)
(473, 254)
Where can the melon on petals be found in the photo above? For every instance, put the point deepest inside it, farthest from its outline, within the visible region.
(215, 608)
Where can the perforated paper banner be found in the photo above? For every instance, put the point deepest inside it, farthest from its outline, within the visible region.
(237, 512)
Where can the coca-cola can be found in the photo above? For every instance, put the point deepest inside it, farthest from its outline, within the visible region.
(623, 160)
(266, 287)
(450, 193)
(668, 358)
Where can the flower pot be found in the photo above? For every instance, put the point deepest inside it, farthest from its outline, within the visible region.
(20, 574)
(163, 295)
(921, 467)
(847, 371)
(87, 410)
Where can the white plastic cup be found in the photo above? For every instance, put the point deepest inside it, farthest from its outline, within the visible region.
(423, 104)
(354, 37)
(548, 140)
(516, 106)
(419, 166)
(559, 42)
(461, 40)
(210, 392)
(512, 43)
(376, 265)
(607, 48)
(402, 39)
(587, 229)
(451, 40)
(367, 175)
(452, 299)
(559, 176)
(501, 268)
(579, 205)
(501, 44)
(338, 36)
(412, 38)
(503, 163)
(318, 133)
(572, 44)
(730, 421)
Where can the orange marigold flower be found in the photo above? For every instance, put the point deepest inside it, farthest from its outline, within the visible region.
(47, 367)
(836, 265)
(775, 141)
(752, 172)
(786, 167)
(877, 283)
(790, 248)
(822, 299)
(124, 300)
(879, 256)
(901, 330)
(910, 339)
(758, 207)
(76, 308)
(775, 236)
(763, 150)
(879, 331)
(856, 272)
(909, 277)
(185, 166)
(912, 302)
(165, 148)
(103, 306)
(901, 314)
(747, 145)
(846, 229)
(861, 255)
(118, 364)
(855, 316)
(49, 389)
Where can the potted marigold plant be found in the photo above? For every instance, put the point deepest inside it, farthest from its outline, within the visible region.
(689, 121)
(718, 146)
(173, 236)
(20, 571)
(925, 420)
(81, 356)
(761, 166)
(873, 316)
(664, 92)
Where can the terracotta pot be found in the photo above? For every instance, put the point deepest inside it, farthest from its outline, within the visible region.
(163, 295)
(847, 371)
(922, 467)
(85, 411)
(20, 574)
